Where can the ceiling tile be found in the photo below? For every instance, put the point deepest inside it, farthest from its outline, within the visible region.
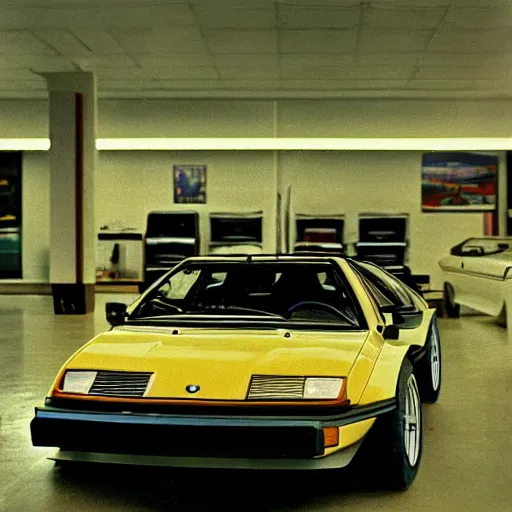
(64, 42)
(290, 17)
(472, 41)
(22, 85)
(19, 74)
(126, 85)
(23, 42)
(241, 41)
(37, 62)
(130, 73)
(478, 3)
(481, 18)
(346, 73)
(453, 59)
(149, 15)
(183, 73)
(394, 41)
(455, 85)
(54, 16)
(319, 3)
(245, 73)
(98, 41)
(461, 73)
(343, 85)
(318, 59)
(213, 17)
(104, 61)
(256, 85)
(390, 16)
(159, 41)
(388, 59)
(379, 73)
(154, 60)
(247, 60)
(317, 41)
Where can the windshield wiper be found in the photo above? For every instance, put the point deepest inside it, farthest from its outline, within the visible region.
(234, 310)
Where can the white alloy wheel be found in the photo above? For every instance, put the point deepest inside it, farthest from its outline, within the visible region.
(412, 422)
(435, 359)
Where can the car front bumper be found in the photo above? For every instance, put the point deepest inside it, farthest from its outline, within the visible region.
(196, 441)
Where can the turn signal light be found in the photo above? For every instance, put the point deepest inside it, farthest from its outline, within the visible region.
(331, 437)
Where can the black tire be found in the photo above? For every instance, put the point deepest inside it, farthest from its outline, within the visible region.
(451, 309)
(430, 384)
(383, 456)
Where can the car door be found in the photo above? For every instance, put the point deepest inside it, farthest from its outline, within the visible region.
(481, 282)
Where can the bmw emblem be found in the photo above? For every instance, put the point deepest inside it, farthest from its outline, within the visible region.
(192, 388)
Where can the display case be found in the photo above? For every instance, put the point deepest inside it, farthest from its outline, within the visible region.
(383, 241)
(319, 233)
(236, 233)
(170, 238)
(119, 257)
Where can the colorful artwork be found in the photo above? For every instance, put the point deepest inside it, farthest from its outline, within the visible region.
(458, 181)
(189, 184)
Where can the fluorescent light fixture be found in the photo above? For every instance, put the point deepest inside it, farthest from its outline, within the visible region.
(25, 144)
(276, 144)
(306, 144)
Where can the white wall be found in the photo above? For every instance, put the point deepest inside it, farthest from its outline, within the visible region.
(354, 182)
(130, 184)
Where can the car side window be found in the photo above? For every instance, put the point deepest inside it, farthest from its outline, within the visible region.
(387, 285)
(380, 299)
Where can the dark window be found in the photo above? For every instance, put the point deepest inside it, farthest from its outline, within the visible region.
(387, 285)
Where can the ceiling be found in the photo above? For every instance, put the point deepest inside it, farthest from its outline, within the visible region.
(261, 48)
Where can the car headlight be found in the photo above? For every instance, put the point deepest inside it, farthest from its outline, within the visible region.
(322, 388)
(78, 381)
(272, 387)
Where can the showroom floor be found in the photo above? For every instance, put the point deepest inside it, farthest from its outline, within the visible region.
(467, 460)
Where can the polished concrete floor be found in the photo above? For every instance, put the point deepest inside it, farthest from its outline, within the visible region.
(466, 466)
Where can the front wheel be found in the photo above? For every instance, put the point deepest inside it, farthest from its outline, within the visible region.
(392, 451)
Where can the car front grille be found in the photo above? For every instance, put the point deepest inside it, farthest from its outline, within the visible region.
(122, 384)
(271, 387)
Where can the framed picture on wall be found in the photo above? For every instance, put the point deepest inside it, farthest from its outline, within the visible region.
(459, 181)
(189, 184)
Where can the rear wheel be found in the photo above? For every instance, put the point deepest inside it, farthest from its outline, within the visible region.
(451, 308)
(428, 368)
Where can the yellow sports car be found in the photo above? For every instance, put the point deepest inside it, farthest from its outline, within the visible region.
(277, 362)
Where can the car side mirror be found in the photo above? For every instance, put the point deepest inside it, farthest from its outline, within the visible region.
(116, 313)
(391, 332)
(397, 318)
(392, 316)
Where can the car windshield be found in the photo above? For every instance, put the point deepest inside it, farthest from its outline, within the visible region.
(483, 246)
(275, 292)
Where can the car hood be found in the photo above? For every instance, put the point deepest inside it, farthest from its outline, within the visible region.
(220, 361)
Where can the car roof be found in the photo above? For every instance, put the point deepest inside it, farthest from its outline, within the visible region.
(240, 258)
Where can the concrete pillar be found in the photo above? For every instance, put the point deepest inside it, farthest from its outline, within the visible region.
(72, 160)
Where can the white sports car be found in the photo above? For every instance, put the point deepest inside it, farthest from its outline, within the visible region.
(477, 274)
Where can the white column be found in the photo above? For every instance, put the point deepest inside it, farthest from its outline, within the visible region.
(73, 106)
